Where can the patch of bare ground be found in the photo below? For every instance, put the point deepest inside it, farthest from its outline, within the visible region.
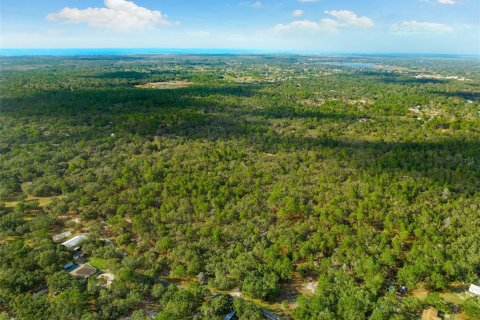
(165, 85)
(20, 67)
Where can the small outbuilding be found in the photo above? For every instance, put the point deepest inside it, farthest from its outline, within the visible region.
(69, 267)
(230, 316)
(78, 254)
(73, 242)
(474, 289)
(84, 271)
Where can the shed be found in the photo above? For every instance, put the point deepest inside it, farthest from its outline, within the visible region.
(84, 271)
(230, 316)
(69, 267)
(474, 289)
(78, 255)
(270, 316)
(71, 243)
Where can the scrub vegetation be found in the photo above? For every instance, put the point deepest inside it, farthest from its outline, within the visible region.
(314, 187)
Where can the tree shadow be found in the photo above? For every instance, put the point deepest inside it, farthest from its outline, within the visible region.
(118, 100)
(225, 113)
(298, 112)
(467, 95)
(390, 78)
(136, 75)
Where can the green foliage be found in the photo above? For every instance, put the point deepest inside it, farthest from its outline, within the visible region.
(471, 307)
(246, 310)
(180, 304)
(69, 304)
(217, 307)
(436, 301)
(60, 281)
(264, 170)
(261, 284)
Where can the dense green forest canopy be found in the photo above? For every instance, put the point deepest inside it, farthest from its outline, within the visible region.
(263, 177)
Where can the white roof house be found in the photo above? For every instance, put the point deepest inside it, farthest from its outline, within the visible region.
(74, 241)
(474, 289)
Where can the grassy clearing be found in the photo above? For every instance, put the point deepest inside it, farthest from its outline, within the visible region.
(164, 85)
(8, 239)
(100, 263)
(457, 293)
(43, 201)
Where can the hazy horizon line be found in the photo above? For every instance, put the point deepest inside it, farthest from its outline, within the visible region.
(205, 51)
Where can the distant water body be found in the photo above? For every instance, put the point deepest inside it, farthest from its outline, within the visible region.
(129, 51)
(193, 51)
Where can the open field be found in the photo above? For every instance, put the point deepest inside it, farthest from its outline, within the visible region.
(164, 85)
(101, 264)
(43, 201)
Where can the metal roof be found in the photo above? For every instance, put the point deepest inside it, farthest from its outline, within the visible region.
(73, 241)
(230, 315)
(474, 289)
(84, 271)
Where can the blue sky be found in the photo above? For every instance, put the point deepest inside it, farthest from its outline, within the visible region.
(431, 26)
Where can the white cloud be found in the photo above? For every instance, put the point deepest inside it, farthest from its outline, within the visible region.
(449, 2)
(297, 13)
(415, 27)
(257, 4)
(347, 18)
(119, 15)
(341, 19)
(446, 1)
(325, 25)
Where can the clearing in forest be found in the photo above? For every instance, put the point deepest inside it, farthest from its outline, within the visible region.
(43, 201)
(456, 294)
(164, 85)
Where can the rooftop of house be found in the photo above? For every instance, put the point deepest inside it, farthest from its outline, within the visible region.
(84, 271)
(474, 289)
(73, 241)
(230, 316)
(69, 267)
